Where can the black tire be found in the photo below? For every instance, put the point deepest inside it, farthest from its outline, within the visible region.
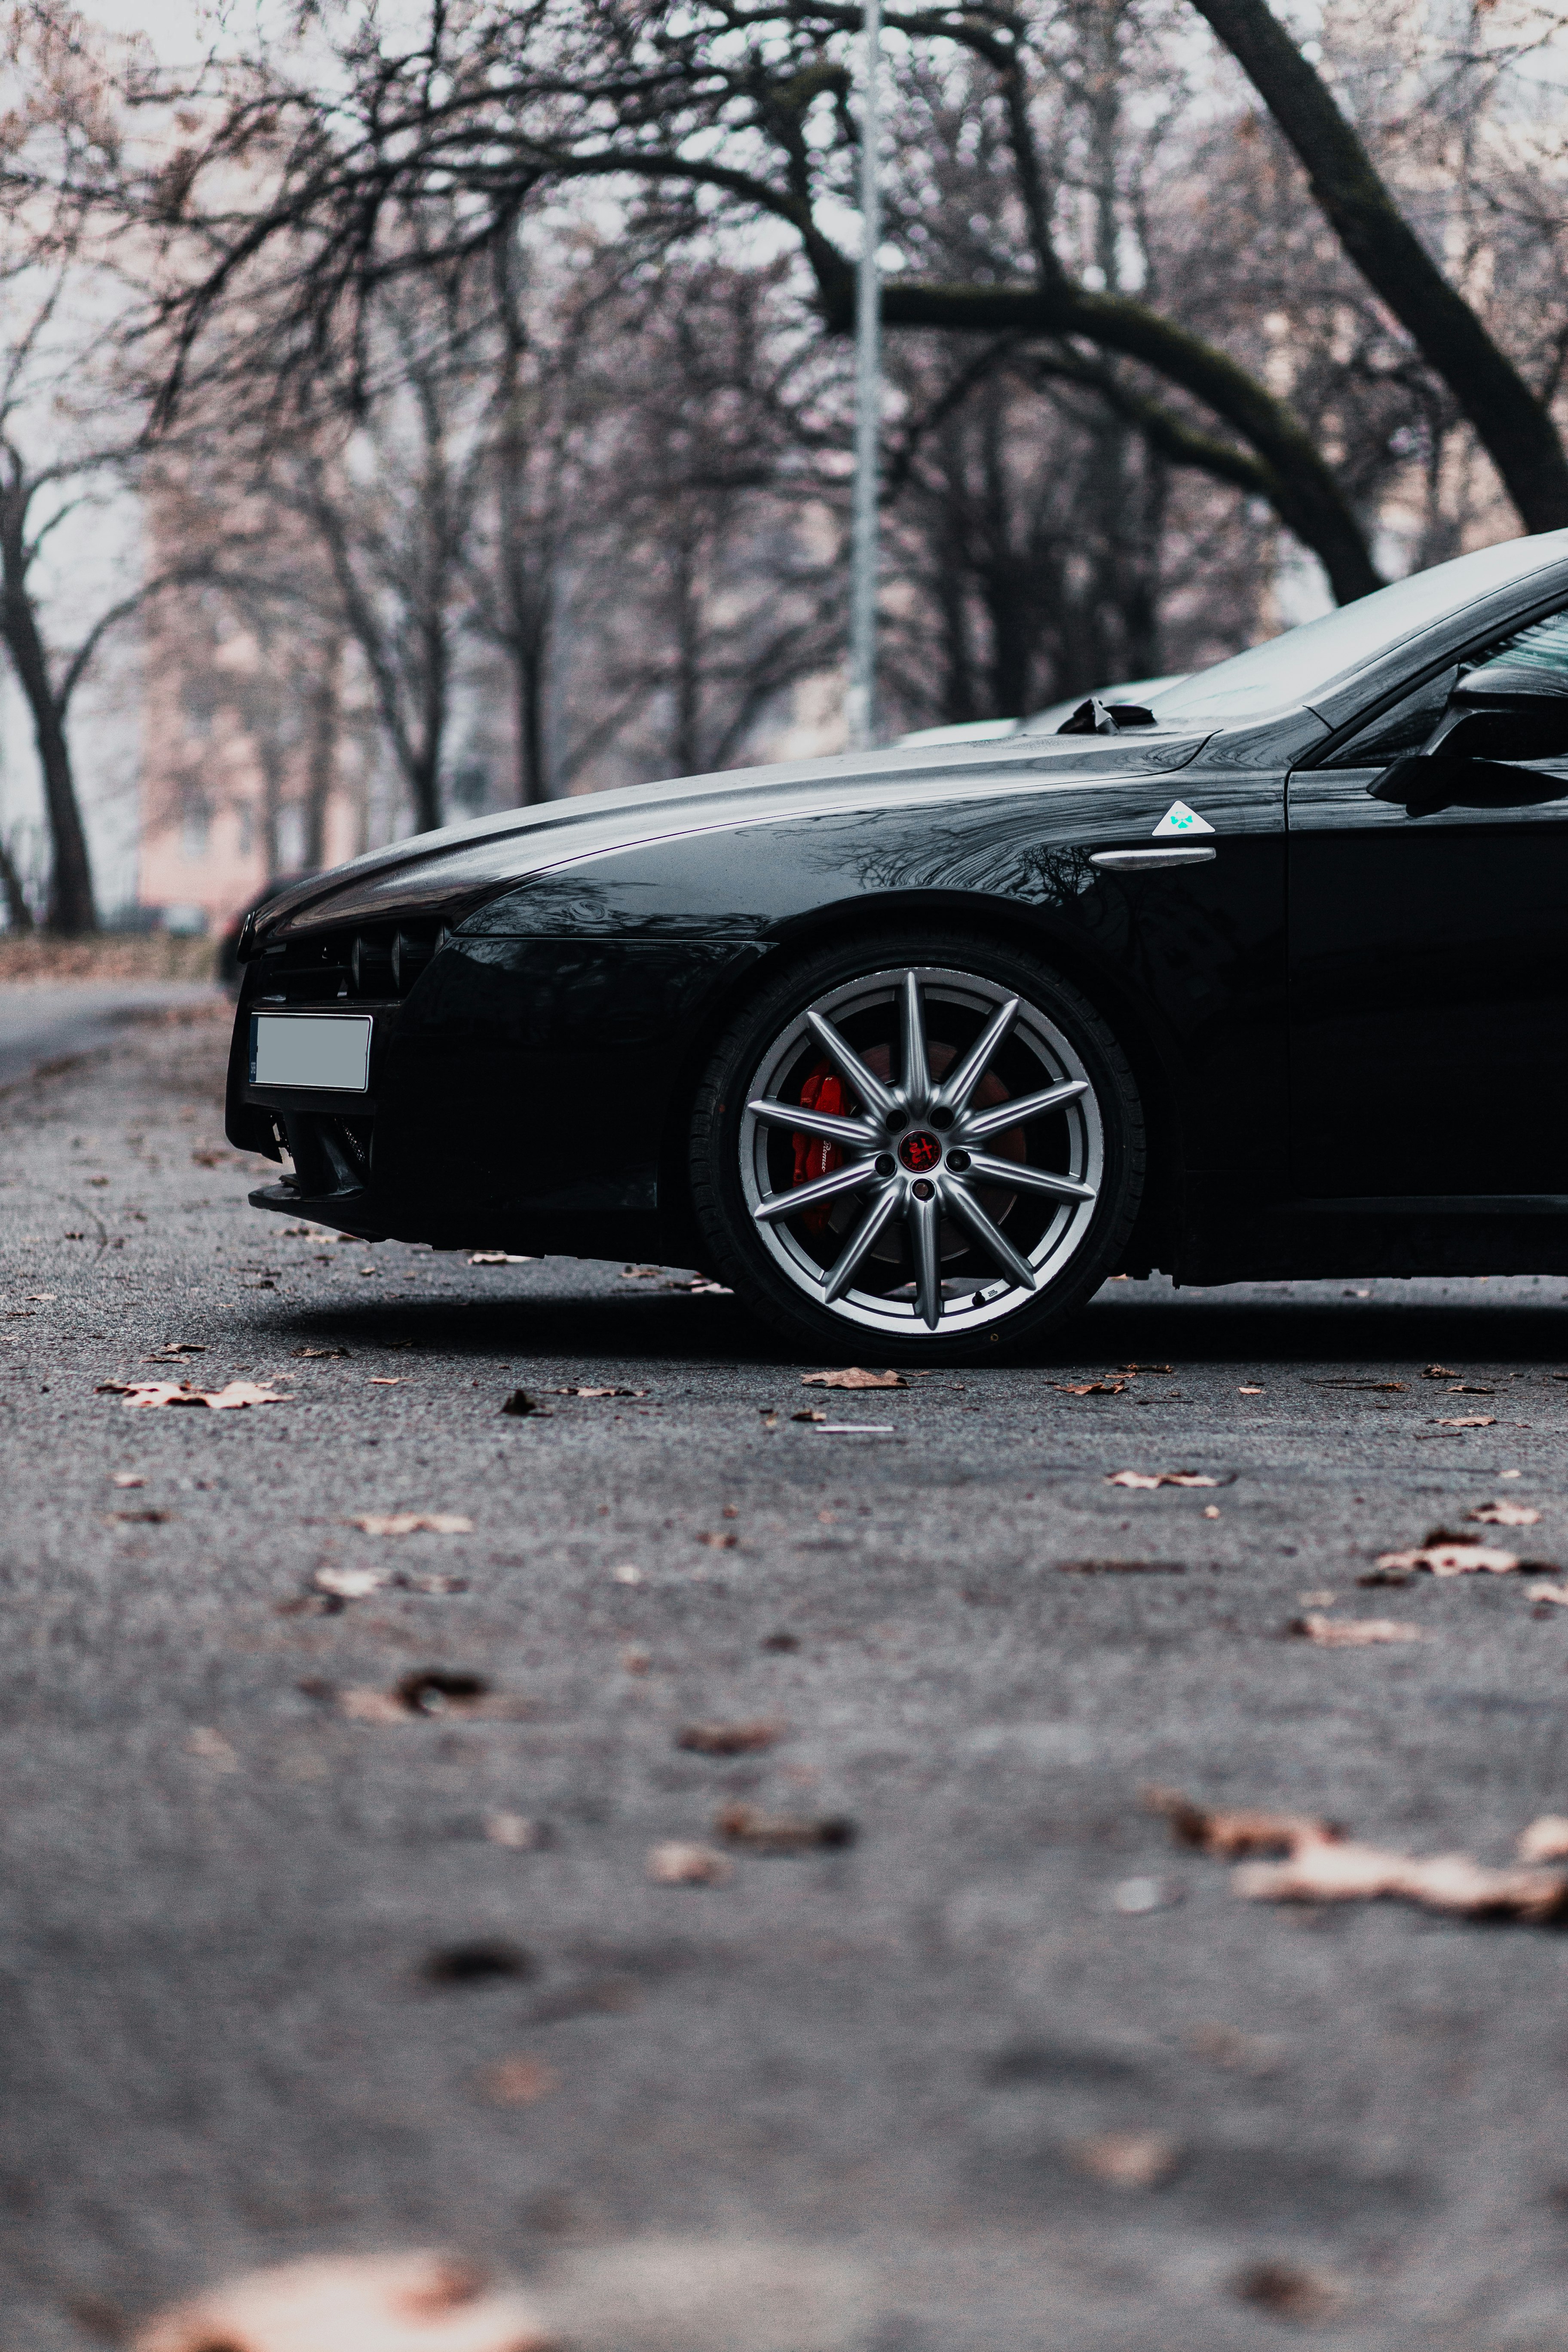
(777, 1267)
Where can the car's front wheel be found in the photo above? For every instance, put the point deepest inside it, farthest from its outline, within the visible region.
(918, 1147)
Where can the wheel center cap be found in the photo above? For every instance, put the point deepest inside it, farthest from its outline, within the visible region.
(920, 1150)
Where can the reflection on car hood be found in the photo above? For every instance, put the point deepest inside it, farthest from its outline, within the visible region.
(470, 862)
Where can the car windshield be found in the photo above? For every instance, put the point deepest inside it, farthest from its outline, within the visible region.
(1295, 668)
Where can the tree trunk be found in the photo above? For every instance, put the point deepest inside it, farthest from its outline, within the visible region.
(1511, 425)
(70, 903)
(19, 913)
(321, 771)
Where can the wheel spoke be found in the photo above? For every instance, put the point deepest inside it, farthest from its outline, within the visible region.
(956, 1088)
(853, 1131)
(874, 1095)
(982, 1123)
(1019, 1177)
(806, 1196)
(961, 1203)
(839, 1277)
(925, 1230)
(916, 1067)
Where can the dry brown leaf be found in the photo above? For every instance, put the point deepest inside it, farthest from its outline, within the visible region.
(1467, 1421)
(316, 1353)
(812, 1412)
(1439, 1372)
(1121, 1568)
(1289, 2290)
(855, 1376)
(413, 1523)
(350, 1583)
(233, 1398)
(723, 1542)
(1148, 1367)
(1503, 1514)
(1546, 1840)
(1092, 1388)
(212, 1749)
(1351, 1632)
(386, 1380)
(600, 1392)
(1543, 1592)
(518, 2081)
(676, 1864)
(1345, 1380)
(375, 2303)
(1128, 2159)
(499, 1257)
(729, 1739)
(364, 1705)
(127, 1478)
(781, 1833)
(1251, 1391)
(1322, 1865)
(1448, 1559)
(1232, 1830)
(1149, 1478)
(1345, 1871)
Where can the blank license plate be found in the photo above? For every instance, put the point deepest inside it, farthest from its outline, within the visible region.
(299, 1050)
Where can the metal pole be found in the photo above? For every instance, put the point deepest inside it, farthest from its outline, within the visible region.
(860, 700)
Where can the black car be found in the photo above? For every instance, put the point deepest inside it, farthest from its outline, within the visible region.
(1268, 976)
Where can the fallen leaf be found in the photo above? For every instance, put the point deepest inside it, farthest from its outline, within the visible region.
(1230, 1831)
(855, 1376)
(372, 2303)
(1467, 1421)
(169, 1351)
(1461, 1387)
(518, 2081)
(1448, 1559)
(413, 1523)
(1149, 1368)
(852, 1428)
(1439, 1372)
(1543, 1592)
(1289, 2290)
(387, 1379)
(212, 1749)
(407, 1583)
(626, 1573)
(600, 1392)
(140, 1518)
(371, 1706)
(316, 1354)
(350, 1583)
(232, 1398)
(127, 1478)
(1546, 1840)
(1351, 1632)
(500, 1257)
(729, 1739)
(701, 1288)
(1503, 1514)
(1121, 1568)
(520, 1404)
(1343, 1379)
(674, 1865)
(1211, 1510)
(811, 1413)
(477, 1963)
(432, 1690)
(1251, 1391)
(1322, 1865)
(725, 1542)
(517, 1831)
(1092, 1388)
(1128, 2159)
(1150, 1478)
(781, 1832)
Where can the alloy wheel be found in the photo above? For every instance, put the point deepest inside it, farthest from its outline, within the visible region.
(922, 1151)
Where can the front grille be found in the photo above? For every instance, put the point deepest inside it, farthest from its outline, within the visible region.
(379, 962)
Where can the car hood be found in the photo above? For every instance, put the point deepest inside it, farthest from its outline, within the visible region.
(464, 864)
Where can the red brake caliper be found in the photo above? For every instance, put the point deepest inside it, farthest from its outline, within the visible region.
(813, 1156)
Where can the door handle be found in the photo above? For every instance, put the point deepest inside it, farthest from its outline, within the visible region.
(1123, 861)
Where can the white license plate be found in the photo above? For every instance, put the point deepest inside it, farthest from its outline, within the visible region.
(326, 1050)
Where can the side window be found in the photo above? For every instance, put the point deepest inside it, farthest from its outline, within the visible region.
(1403, 726)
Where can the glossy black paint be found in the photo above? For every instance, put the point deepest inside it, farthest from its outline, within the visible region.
(1350, 1004)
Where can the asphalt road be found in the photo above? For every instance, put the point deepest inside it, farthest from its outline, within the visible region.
(55, 1021)
(284, 1968)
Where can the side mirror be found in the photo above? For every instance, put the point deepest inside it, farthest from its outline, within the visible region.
(1097, 717)
(1503, 711)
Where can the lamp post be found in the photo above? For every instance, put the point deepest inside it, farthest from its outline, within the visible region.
(860, 700)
